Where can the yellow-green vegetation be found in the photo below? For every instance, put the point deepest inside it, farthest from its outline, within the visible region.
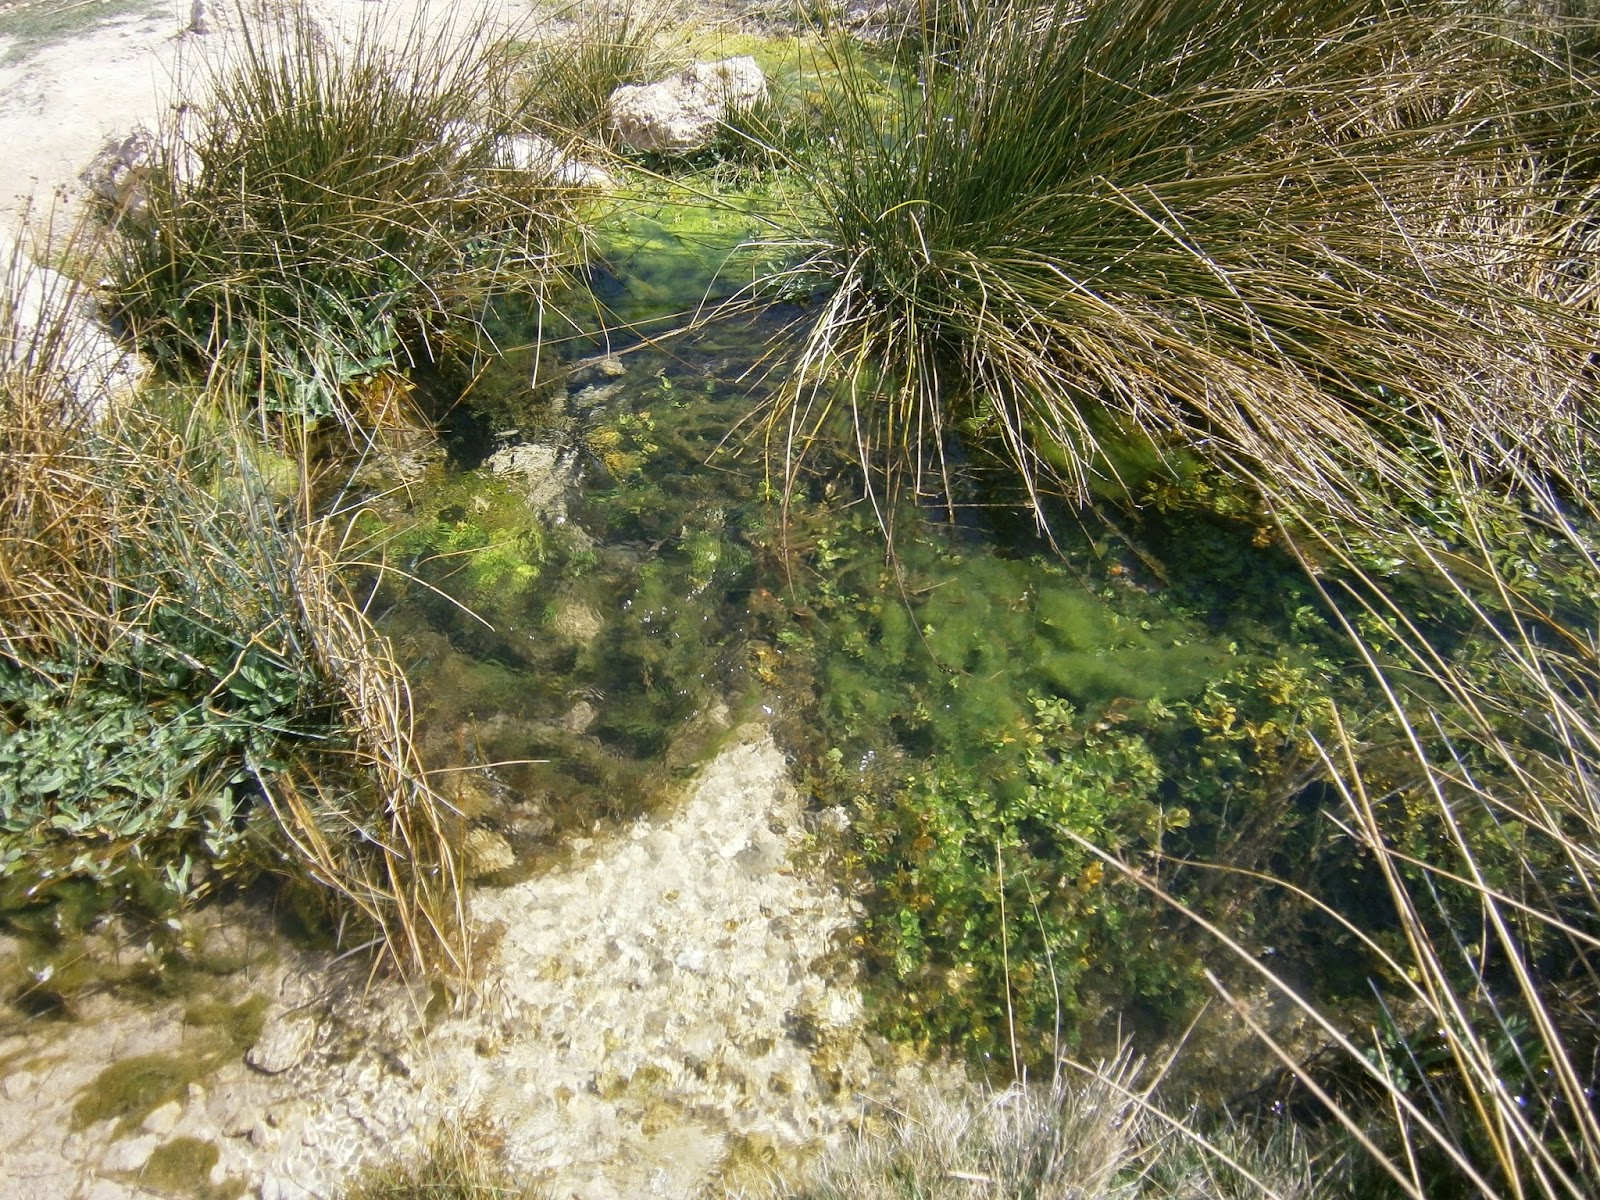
(182, 1167)
(1221, 377)
(463, 1161)
(131, 1089)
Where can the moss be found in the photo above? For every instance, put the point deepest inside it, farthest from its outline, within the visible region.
(128, 1091)
(182, 1167)
(239, 1023)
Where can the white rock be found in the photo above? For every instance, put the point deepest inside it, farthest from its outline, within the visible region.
(127, 1155)
(284, 1042)
(530, 152)
(682, 113)
(51, 324)
(164, 1120)
(120, 173)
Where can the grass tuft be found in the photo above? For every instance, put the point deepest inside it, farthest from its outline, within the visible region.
(188, 696)
(600, 47)
(1269, 230)
(329, 209)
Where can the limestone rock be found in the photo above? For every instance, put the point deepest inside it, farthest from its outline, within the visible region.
(580, 623)
(681, 114)
(545, 476)
(284, 1042)
(120, 173)
(526, 152)
(530, 152)
(51, 325)
(163, 1120)
(129, 1155)
(579, 717)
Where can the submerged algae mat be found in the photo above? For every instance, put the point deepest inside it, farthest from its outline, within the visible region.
(608, 580)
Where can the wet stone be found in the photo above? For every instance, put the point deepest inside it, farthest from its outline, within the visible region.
(284, 1043)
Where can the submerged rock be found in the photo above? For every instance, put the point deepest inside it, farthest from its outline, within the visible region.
(664, 995)
(486, 853)
(284, 1042)
(544, 473)
(683, 113)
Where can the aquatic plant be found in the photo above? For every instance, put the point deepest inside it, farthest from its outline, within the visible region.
(1470, 797)
(1269, 230)
(328, 210)
(464, 1160)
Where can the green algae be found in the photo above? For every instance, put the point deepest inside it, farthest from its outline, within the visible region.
(238, 1022)
(975, 696)
(182, 1167)
(130, 1090)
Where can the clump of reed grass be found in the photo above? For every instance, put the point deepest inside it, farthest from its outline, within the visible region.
(327, 209)
(1268, 230)
(569, 76)
(1473, 799)
(188, 697)
(463, 1161)
(1089, 1135)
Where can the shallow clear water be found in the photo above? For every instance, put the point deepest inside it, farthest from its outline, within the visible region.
(973, 688)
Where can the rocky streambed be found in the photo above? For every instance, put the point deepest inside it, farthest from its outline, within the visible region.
(667, 1010)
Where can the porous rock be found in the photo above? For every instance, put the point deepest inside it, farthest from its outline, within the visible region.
(682, 114)
(120, 173)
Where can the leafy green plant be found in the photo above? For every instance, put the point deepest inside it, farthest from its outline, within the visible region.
(188, 698)
(327, 211)
(1470, 799)
(974, 713)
